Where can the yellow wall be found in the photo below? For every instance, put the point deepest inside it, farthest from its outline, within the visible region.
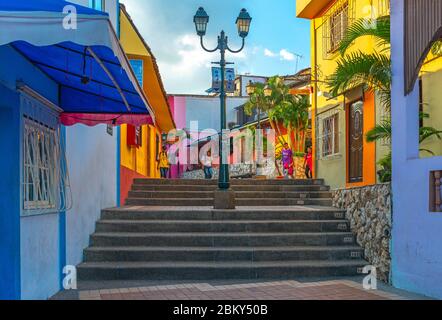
(334, 168)
(143, 159)
(431, 74)
(136, 48)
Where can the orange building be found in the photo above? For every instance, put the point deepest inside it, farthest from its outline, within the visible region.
(140, 145)
(342, 156)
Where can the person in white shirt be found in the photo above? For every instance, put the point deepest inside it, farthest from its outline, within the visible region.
(206, 162)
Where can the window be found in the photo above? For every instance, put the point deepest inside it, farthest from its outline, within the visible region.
(137, 67)
(383, 8)
(41, 166)
(98, 4)
(330, 135)
(436, 191)
(336, 22)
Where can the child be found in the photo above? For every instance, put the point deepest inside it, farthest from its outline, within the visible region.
(308, 163)
(287, 161)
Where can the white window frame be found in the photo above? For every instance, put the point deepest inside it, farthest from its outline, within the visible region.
(41, 161)
(41, 173)
(330, 136)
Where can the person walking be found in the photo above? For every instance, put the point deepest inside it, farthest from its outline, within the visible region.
(163, 163)
(206, 162)
(308, 163)
(287, 161)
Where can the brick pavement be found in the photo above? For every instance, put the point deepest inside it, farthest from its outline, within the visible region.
(281, 290)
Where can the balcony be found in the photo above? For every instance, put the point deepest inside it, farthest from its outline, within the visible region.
(309, 9)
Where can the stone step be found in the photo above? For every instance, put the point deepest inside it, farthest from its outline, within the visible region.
(222, 226)
(213, 187)
(238, 194)
(251, 213)
(238, 202)
(216, 270)
(200, 239)
(97, 254)
(234, 182)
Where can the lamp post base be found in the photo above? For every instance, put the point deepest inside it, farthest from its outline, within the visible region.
(224, 199)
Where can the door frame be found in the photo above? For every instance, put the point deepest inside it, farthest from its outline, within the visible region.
(347, 133)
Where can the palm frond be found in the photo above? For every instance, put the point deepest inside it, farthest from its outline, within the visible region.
(427, 132)
(381, 131)
(378, 28)
(359, 68)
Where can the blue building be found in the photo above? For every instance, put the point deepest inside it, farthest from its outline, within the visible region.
(417, 211)
(55, 179)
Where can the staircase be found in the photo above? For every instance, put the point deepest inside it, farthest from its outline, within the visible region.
(281, 229)
(248, 192)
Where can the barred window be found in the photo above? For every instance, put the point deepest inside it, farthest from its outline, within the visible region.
(383, 8)
(335, 24)
(330, 135)
(41, 163)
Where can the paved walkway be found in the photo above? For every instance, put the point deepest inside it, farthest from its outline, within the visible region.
(280, 290)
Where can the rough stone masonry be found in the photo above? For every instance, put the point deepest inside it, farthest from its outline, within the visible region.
(369, 212)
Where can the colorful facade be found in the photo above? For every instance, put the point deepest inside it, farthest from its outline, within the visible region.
(417, 220)
(140, 145)
(57, 176)
(341, 154)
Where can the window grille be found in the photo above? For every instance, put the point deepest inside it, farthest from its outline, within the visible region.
(328, 141)
(383, 8)
(41, 161)
(45, 178)
(335, 24)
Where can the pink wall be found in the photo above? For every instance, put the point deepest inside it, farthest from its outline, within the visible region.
(178, 109)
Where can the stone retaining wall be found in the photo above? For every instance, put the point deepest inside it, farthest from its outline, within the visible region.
(369, 212)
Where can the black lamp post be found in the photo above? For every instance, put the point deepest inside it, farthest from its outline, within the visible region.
(201, 19)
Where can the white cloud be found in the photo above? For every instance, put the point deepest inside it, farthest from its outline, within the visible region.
(192, 65)
(286, 55)
(269, 53)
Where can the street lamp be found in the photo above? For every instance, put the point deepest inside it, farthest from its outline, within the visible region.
(250, 88)
(201, 19)
(268, 91)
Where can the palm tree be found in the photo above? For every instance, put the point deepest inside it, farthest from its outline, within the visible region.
(373, 71)
(293, 112)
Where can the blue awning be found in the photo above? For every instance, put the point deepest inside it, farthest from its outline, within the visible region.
(88, 62)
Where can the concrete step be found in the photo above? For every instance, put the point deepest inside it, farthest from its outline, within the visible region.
(222, 226)
(208, 239)
(131, 254)
(253, 213)
(203, 188)
(216, 270)
(234, 182)
(239, 202)
(238, 194)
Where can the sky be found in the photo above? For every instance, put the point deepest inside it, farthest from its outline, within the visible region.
(275, 40)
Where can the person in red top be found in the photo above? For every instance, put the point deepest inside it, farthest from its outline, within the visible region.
(308, 163)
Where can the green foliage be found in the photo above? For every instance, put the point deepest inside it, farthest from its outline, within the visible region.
(378, 28)
(386, 172)
(381, 131)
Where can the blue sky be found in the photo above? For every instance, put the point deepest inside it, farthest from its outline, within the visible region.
(276, 37)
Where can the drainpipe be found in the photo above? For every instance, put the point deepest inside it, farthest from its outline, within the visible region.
(315, 98)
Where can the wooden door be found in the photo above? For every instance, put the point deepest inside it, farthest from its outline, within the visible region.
(355, 141)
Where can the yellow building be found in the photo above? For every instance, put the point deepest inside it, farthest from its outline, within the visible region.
(140, 145)
(341, 154)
